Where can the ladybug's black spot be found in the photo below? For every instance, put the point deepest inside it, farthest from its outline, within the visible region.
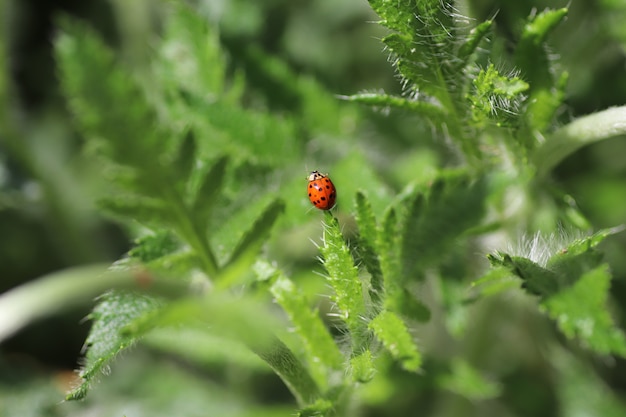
(328, 187)
(323, 198)
(332, 195)
(310, 185)
(309, 194)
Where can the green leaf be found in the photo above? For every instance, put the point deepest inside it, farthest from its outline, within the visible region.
(153, 246)
(468, 382)
(185, 161)
(293, 373)
(434, 220)
(388, 244)
(476, 35)
(148, 211)
(115, 311)
(322, 352)
(395, 337)
(367, 240)
(531, 55)
(579, 257)
(495, 281)
(209, 188)
(425, 108)
(581, 313)
(407, 305)
(344, 278)
(247, 250)
(495, 97)
(362, 367)
(545, 103)
(109, 104)
(581, 132)
(537, 280)
(191, 53)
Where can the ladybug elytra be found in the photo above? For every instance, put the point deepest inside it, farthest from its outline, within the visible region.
(322, 192)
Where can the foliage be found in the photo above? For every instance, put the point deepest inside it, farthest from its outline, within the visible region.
(197, 160)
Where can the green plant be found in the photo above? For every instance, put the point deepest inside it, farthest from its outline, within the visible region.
(197, 178)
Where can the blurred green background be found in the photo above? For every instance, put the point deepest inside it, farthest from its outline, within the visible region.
(47, 216)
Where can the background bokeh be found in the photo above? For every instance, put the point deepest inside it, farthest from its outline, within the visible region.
(48, 220)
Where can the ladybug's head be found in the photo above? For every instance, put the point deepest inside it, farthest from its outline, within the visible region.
(315, 175)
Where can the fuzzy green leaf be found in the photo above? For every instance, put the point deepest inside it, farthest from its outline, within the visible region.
(537, 280)
(368, 238)
(154, 246)
(531, 55)
(435, 219)
(581, 312)
(362, 367)
(247, 250)
(495, 97)
(395, 337)
(388, 245)
(474, 38)
(206, 196)
(425, 108)
(343, 276)
(544, 104)
(322, 352)
(115, 311)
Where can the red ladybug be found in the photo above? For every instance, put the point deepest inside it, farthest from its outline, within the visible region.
(322, 192)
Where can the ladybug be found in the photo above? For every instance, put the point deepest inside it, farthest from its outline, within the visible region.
(322, 192)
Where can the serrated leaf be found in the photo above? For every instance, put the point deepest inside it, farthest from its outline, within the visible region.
(322, 352)
(425, 108)
(474, 38)
(495, 97)
(395, 337)
(388, 244)
(115, 311)
(191, 51)
(435, 219)
(141, 209)
(531, 56)
(108, 103)
(545, 103)
(186, 157)
(319, 408)
(579, 257)
(537, 280)
(208, 191)
(247, 250)
(532, 59)
(580, 312)
(362, 367)
(343, 276)
(495, 281)
(368, 237)
(153, 246)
